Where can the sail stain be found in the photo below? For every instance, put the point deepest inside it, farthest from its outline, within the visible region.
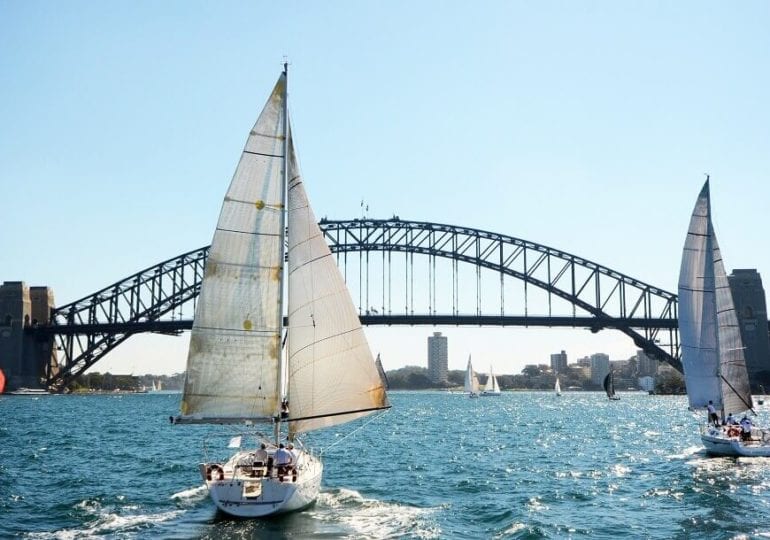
(260, 204)
(247, 325)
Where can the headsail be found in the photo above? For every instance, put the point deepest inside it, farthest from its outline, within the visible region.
(712, 349)
(332, 375)
(233, 362)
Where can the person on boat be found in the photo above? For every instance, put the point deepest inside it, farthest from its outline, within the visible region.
(745, 428)
(283, 460)
(284, 409)
(730, 420)
(260, 456)
(713, 416)
(294, 460)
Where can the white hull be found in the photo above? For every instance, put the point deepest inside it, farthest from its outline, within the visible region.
(718, 443)
(242, 492)
(29, 392)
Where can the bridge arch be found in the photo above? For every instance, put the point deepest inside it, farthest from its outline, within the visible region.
(87, 329)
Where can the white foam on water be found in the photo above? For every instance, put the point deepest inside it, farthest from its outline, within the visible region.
(686, 453)
(371, 518)
(198, 492)
(513, 529)
(106, 522)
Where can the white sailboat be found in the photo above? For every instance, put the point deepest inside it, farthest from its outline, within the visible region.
(239, 370)
(557, 387)
(492, 388)
(471, 381)
(712, 348)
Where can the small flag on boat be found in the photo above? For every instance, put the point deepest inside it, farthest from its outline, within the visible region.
(235, 442)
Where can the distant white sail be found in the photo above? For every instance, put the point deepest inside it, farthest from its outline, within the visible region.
(491, 386)
(332, 375)
(233, 361)
(712, 349)
(557, 386)
(471, 381)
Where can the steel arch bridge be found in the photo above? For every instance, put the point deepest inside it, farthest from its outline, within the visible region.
(150, 301)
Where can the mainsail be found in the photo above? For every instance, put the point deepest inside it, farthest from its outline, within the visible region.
(712, 348)
(609, 385)
(235, 345)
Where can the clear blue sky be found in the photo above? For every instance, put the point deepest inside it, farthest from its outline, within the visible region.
(586, 126)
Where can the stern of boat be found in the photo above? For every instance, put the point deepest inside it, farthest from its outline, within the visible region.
(250, 493)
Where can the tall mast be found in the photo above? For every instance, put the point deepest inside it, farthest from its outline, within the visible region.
(284, 204)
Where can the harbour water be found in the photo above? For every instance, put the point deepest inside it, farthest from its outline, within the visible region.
(438, 465)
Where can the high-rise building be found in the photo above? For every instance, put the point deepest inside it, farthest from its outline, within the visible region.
(559, 362)
(750, 306)
(645, 365)
(438, 358)
(600, 366)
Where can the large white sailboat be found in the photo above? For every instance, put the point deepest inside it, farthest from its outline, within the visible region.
(240, 368)
(471, 386)
(712, 348)
(491, 388)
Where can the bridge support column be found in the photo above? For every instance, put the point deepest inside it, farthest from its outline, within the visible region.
(24, 361)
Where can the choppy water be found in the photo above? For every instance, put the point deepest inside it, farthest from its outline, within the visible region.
(438, 465)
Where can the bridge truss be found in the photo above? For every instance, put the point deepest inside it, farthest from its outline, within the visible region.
(548, 287)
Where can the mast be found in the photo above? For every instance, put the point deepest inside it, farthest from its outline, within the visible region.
(281, 300)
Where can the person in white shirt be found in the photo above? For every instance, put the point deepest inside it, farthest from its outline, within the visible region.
(283, 460)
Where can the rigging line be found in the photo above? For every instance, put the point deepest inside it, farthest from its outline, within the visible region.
(737, 394)
(362, 426)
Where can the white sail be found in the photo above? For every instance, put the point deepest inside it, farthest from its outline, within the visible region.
(332, 375)
(471, 382)
(491, 386)
(557, 386)
(712, 349)
(233, 361)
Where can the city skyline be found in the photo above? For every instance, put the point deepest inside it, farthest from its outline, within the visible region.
(587, 128)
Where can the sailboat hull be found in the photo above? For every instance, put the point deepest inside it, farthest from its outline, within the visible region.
(485, 393)
(718, 443)
(238, 493)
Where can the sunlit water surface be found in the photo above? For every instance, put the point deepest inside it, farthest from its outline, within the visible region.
(438, 465)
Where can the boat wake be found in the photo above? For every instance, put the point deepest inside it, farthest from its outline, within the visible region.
(371, 518)
(195, 494)
(108, 521)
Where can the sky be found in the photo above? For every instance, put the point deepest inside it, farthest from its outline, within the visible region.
(584, 126)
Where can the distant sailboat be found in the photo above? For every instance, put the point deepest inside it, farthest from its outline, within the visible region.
(492, 388)
(557, 387)
(609, 386)
(269, 262)
(471, 381)
(712, 347)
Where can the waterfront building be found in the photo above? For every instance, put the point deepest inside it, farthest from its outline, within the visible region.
(750, 306)
(438, 358)
(645, 365)
(584, 362)
(600, 366)
(559, 362)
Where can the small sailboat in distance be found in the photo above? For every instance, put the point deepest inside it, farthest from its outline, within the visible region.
(609, 386)
(712, 348)
(269, 262)
(492, 388)
(471, 386)
(557, 386)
